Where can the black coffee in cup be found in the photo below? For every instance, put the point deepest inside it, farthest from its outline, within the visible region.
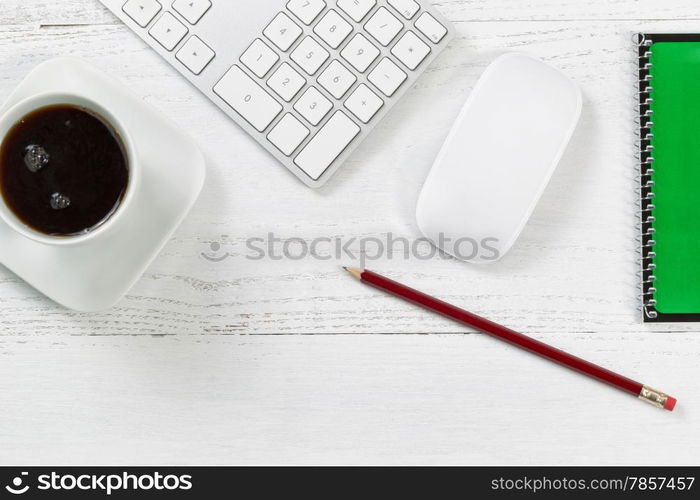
(63, 170)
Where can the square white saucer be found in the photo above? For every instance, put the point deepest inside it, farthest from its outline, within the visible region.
(97, 274)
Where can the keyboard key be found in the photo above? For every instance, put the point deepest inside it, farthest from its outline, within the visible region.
(411, 50)
(286, 82)
(306, 10)
(259, 58)
(363, 103)
(288, 134)
(247, 98)
(195, 55)
(327, 145)
(192, 10)
(383, 26)
(333, 29)
(387, 77)
(360, 53)
(282, 31)
(313, 106)
(168, 31)
(431, 27)
(357, 9)
(310, 55)
(337, 79)
(142, 11)
(407, 8)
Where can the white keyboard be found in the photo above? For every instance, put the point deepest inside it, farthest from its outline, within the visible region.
(308, 79)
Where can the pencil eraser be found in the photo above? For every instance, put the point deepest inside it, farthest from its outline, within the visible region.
(670, 403)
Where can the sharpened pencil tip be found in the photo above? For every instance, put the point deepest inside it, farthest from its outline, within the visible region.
(357, 273)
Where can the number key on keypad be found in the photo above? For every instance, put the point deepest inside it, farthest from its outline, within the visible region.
(310, 55)
(282, 31)
(306, 10)
(360, 53)
(248, 98)
(337, 79)
(333, 29)
(259, 58)
(313, 106)
(286, 82)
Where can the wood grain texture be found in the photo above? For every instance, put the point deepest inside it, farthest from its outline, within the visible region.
(249, 361)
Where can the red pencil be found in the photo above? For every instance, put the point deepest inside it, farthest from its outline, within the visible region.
(643, 392)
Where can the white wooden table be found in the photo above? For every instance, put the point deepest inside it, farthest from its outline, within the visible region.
(247, 362)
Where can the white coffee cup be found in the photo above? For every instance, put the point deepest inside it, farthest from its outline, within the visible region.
(15, 114)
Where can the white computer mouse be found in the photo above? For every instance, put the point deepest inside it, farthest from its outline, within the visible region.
(498, 158)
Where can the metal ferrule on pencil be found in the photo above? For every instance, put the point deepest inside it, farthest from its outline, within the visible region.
(654, 397)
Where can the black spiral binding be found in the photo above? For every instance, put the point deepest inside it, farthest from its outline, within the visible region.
(647, 164)
(646, 161)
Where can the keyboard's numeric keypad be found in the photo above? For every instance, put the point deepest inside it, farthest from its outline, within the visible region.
(375, 26)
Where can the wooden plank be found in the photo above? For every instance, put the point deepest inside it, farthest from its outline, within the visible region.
(337, 400)
(47, 13)
(560, 10)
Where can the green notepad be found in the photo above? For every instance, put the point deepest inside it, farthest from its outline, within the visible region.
(670, 122)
